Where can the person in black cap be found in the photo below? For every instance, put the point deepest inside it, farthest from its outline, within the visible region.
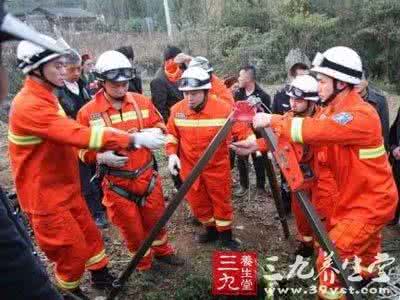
(135, 84)
(164, 89)
(21, 274)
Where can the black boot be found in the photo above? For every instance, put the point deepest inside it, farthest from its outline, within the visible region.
(102, 279)
(227, 240)
(211, 235)
(172, 259)
(305, 250)
(74, 295)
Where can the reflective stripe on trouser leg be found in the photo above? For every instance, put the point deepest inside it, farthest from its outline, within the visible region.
(201, 205)
(97, 258)
(146, 262)
(218, 189)
(305, 233)
(161, 246)
(66, 285)
(62, 240)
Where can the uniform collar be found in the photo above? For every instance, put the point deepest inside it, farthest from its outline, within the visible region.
(345, 99)
(39, 89)
(103, 105)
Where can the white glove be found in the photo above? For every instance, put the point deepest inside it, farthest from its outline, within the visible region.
(151, 138)
(174, 163)
(261, 120)
(152, 130)
(109, 158)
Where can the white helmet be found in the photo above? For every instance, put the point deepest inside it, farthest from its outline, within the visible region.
(341, 63)
(31, 56)
(113, 66)
(303, 87)
(195, 78)
(202, 62)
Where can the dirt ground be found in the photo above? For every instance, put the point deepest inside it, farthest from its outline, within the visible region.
(255, 226)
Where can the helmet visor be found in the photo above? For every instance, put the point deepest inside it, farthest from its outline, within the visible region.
(297, 93)
(192, 82)
(118, 74)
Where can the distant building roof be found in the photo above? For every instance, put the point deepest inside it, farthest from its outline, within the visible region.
(65, 12)
(19, 11)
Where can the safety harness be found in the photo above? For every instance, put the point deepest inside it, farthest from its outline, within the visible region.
(129, 174)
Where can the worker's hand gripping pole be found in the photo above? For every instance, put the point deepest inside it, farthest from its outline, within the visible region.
(241, 111)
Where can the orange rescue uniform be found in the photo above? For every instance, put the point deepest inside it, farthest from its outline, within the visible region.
(134, 220)
(322, 193)
(189, 134)
(367, 197)
(44, 165)
(218, 88)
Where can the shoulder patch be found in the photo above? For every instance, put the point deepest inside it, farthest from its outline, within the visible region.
(342, 118)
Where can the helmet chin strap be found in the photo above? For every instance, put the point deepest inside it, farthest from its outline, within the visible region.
(333, 95)
(201, 105)
(109, 97)
(307, 111)
(43, 77)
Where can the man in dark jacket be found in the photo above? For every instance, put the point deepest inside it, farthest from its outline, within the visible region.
(135, 84)
(21, 275)
(394, 156)
(164, 87)
(72, 97)
(165, 92)
(249, 87)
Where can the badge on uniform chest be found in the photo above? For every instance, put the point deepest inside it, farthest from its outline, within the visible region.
(180, 116)
(96, 119)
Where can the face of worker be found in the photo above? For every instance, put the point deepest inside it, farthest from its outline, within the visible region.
(298, 105)
(88, 66)
(325, 86)
(234, 88)
(73, 72)
(361, 88)
(244, 78)
(195, 98)
(301, 72)
(55, 71)
(116, 90)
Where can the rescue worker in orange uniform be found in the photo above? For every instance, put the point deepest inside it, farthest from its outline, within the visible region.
(218, 89)
(350, 131)
(303, 93)
(132, 189)
(44, 165)
(192, 125)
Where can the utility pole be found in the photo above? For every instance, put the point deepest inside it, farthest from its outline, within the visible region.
(168, 19)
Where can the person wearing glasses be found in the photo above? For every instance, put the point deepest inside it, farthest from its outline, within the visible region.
(132, 189)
